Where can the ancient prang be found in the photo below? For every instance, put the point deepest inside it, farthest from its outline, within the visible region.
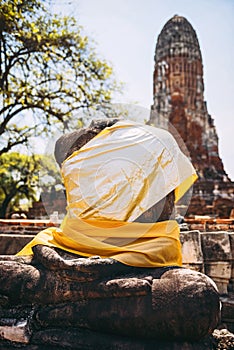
(178, 103)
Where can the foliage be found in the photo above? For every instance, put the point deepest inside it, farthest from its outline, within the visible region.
(48, 72)
(21, 176)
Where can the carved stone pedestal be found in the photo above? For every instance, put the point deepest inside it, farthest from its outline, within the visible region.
(60, 300)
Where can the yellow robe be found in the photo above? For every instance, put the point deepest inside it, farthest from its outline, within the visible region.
(111, 181)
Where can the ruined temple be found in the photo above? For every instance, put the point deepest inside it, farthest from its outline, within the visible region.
(179, 105)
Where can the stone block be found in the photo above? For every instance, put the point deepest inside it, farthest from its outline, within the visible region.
(227, 312)
(220, 272)
(192, 256)
(217, 258)
(231, 237)
(15, 331)
(216, 246)
(11, 244)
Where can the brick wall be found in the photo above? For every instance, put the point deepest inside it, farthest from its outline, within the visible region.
(15, 234)
(210, 225)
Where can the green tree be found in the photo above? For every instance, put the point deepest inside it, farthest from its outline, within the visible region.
(18, 180)
(22, 176)
(48, 72)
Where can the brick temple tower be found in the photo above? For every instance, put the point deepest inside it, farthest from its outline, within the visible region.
(178, 93)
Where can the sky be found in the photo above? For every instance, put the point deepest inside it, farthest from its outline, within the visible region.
(125, 34)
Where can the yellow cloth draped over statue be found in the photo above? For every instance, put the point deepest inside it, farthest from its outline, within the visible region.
(114, 178)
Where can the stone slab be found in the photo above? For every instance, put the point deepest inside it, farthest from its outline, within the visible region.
(11, 244)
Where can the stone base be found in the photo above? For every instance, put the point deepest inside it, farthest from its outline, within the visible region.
(80, 339)
(56, 299)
